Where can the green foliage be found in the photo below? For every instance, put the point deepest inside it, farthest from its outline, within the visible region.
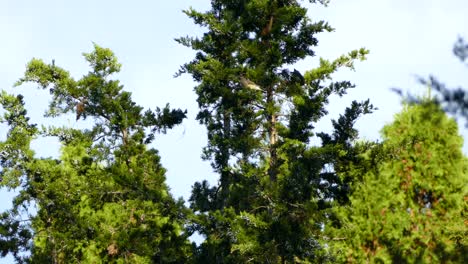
(411, 205)
(279, 198)
(274, 187)
(104, 199)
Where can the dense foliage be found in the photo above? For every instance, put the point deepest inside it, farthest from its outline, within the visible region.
(410, 204)
(274, 186)
(281, 197)
(104, 199)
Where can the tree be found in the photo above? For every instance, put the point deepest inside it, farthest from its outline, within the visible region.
(104, 199)
(274, 187)
(411, 204)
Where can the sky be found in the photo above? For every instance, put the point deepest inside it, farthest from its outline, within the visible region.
(405, 38)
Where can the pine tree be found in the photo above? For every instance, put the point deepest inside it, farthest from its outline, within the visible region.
(104, 200)
(274, 187)
(411, 204)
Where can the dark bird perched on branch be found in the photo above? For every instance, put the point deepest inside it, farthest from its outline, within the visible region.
(297, 77)
(294, 77)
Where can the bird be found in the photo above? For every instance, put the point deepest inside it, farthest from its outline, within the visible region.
(249, 84)
(297, 77)
(80, 108)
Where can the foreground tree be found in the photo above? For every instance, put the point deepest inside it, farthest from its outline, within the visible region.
(104, 199)
(411, 204)
(274, 187)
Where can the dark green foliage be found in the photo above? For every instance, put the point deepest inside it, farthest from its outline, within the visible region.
(411, 204)
(104, 200)
(279, 199)
(274, 188)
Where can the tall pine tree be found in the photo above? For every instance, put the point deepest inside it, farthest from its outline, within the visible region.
(269, 204)
(104, 200)
(411, 204)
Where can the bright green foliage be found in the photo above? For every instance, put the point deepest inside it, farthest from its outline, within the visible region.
(269, 204)
(104, 199)
(411, 205)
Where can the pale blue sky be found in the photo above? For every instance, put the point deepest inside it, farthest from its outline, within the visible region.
(405, 38)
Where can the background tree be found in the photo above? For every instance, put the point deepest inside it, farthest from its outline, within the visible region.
(411, 204)
(104, 199)
(268, 206)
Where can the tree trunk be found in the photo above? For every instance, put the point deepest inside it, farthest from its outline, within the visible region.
(273, 137)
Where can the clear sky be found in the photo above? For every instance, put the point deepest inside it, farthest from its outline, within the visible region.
(406, 38)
